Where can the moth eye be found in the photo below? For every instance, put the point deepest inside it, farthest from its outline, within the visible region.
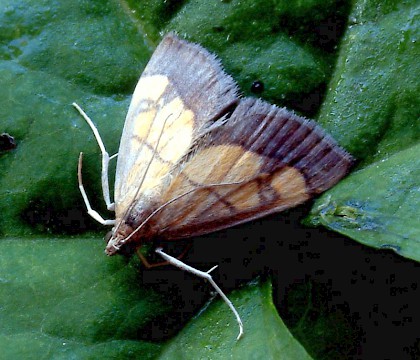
(257, 87)
(108, 236)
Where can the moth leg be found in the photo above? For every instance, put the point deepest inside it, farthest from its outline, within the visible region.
(148, 265)
(205, 275)
(105, 159)
(90, 211)
(146, 262)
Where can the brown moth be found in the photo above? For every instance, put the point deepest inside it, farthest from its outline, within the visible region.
(195, 157)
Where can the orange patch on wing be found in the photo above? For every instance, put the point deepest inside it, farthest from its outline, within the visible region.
(228, 170)
(235, 186)
(290, 184)
(246, 197)
(222, 163)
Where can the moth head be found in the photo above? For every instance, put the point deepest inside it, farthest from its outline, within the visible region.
(116, 239)
(122, 239)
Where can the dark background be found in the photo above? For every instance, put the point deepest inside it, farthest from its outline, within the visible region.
(320, 279)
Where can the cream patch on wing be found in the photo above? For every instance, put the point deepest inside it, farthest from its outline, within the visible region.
(171, 124)
(161, 133)
(149, 88)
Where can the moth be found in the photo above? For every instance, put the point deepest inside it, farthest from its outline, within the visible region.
(196, 157)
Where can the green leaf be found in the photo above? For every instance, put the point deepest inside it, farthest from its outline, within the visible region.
(63, 299)
(372, 106)
(382, 218)
(213, 333)
(258, 40)
(46, 63)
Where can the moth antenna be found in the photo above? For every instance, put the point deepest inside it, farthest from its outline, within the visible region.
(205, 275)
(154, 212)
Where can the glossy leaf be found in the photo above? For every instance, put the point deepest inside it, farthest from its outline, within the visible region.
(63, 299)
(213, 333)
(382, 218)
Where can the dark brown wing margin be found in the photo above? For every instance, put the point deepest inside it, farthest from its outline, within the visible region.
(286, 140)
